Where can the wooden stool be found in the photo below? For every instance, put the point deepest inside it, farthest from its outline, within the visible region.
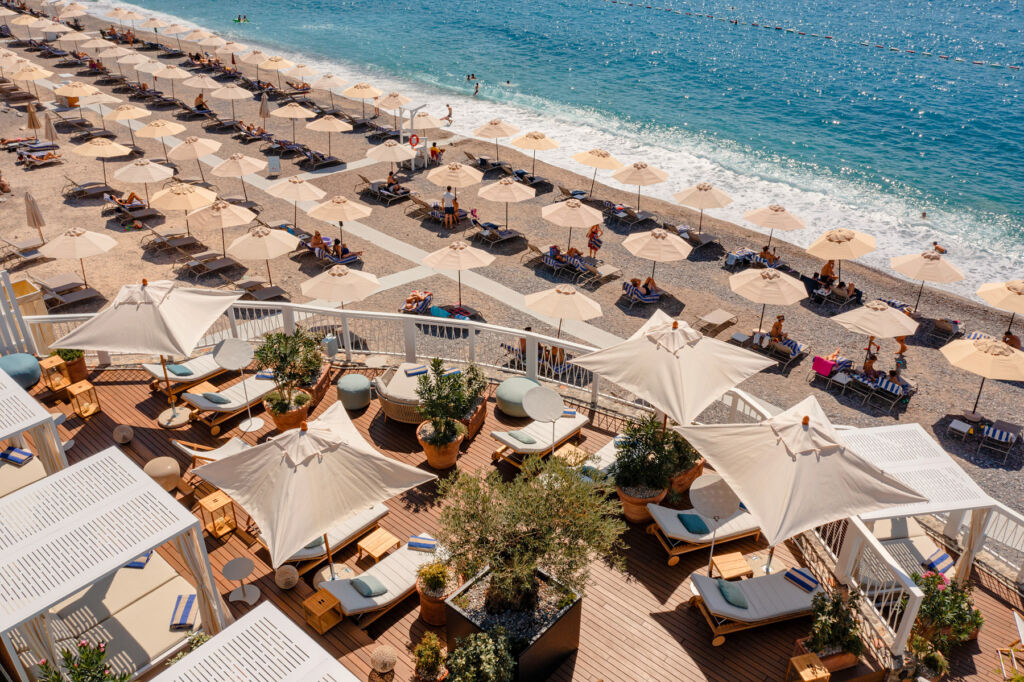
(84, 399)
(806, 668)
(220, 524)
(322, 611)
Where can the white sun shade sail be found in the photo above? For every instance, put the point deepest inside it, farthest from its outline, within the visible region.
(297, 485)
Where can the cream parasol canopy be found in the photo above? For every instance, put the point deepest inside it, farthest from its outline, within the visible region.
(143, 172)
(160, 129)
(341, 284)
(33, 216)
(775, 217)
(182, 196)
(78, 244)
(508, 191)
(929, 266)
(232, 93)
(877, 319)
(231, 48)
(295, 189)
(329, 124)
(455, 175)
(425, 121)
(535, 141)
(340, 209)
(564, 302)
(841, 244)
(292, 111)
(193, 149)
(363, 92)
(263, 243)
(172, 73)
(458, 256)
(391, 151)
(203, 82)
(127, 112)
(766, 286)
(101, 148)
(571, 213)
(330, 83)
(988, 358)
(238, 165)
(658, 246)
(1005, 296)
(640, 174)
(221, 215)
(702, 196)
(276, 63)
(496, 129)
(393, 101)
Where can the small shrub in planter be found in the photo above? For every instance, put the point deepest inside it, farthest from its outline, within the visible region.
(295, 361)
(74, 359)
(429, 658)
(483, 657)
(947, 617)
(437, 580)
(646, 458)
(193, 642)
(86, 664)
(444, 400)
(835, 634)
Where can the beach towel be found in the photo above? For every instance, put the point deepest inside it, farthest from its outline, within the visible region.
(183, 616)
(802, 578)
(822, 366)
(16, 455)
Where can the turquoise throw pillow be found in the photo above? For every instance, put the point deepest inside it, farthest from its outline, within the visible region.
(179, 370)
(732, 594)
(369, 586)
(694, 524)
(522, 437)
(319, 542)
(216, 398)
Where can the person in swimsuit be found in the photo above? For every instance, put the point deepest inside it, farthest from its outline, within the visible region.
(594, 240)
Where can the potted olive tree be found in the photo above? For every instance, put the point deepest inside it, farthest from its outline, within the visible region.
(646, 458)
(529, 544)
(429, 656)
(435, 582)
(946, 618)
(74, 360)
(445, 399)
(835, 633)
(293, 359)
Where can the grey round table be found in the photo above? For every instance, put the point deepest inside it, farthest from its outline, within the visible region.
(238, 569)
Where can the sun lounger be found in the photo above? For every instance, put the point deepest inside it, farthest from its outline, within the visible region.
(770, 599)
(27, 250)
(161, 243)
(696, 239)
(631, 217)
(581, 195)
(603, 459)
(786, 351)
(515, 451)
(196, 269)
(634, 295)
(203, 367)
(914, 553)
(255, 387)
(258, 291)
(31, 160)
(492, 234)
(999, 437)
(1011, 662)
(533, 253)
(339, 536)
(67, 281)
(677, 540)
(524, 177)
(397, 572)
(201, 454)
(485, 164)
(422, 307)
(54, 300)
(944, 331)
(15, 477)
(890, 394)
(317, 160)
(86, 134)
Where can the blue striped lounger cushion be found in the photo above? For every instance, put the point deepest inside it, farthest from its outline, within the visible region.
(183, 617)
(422, 543)
(571, 414)
(995, 434)
(139, 561)
(453, 370)
(802, 578)
(939, 561)
(16, 455)
(415, 371)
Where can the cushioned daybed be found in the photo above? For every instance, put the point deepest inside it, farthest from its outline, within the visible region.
(202, 368)
(339, 536)
(515, 450)
(676, 539)
(254, 387)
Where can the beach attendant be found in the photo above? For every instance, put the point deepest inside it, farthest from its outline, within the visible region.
(594, 240)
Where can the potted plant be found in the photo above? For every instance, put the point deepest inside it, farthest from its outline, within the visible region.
(835, 634)
(476, 413)
(429, 657)
(646, 458)
(293, 359)
(86, 664)
(529, 544)
(482, 657)
(689, 463)
(443, 401)
(435, 582)
(74, 360)
(947, 617)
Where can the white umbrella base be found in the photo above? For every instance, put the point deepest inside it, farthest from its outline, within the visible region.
(250, 425)
(250, 594)
(323, 574)
(173, 417)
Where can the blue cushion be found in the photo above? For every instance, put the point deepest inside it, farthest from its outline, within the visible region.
(140, 561)
(694, 524)
(179, 370)
(316, 543)
(422, 543)
(522, 437)
(368, 586)
(265, 373)
(732, 594)
(23, 368)
(568, 413)
(330, 344)
(415, 371)
(439, 312)
(939, 561)
(802, 578)
(16, 455)
(183, 616)
(216, 398)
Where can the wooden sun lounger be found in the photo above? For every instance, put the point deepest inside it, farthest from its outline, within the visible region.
(203, 368)
(257, 387)
(54, 300)
(201, 454)
(1011, 657)
(339, 536)
(676, 540)
(515, 452)
(90, 190)
(258, 291)
(197, 269)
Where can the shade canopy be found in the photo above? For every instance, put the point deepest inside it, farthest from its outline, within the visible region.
(341, 284)
(775, 217)
(657, 245)
(563, 302)
(929, 266)
(329, 81)
(987, 357)
(276, 63)
(571, 213)
(193, 148)
(876, 318)
(203, 82)
(295, 188)
(237, 165)
(455, 175)
(598, 158)
(425, 121)
(842, 244)
(458, 256)
(160, 128)
(392, 101)
(221, 214)
(263, 243)
(506, 190)
(153, 318)
(77, 243)
(76, 89)
(301, 71)
(329, 124)
(535, 141)
(253, 58)
(297, 485)
(126, 112)
(231, 48)
(769, 287)
(362, 91)
(391, 151)
(100, 148)
(674, 367)
(640, 173)
(702, 197)
(771, 466)
(339, 208)
(1007, 296)
(182, 196)
(292, 110)
(496, 128)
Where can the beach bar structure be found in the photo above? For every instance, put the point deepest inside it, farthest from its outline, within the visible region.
(24, 424)
(264, 645)
(65, 545)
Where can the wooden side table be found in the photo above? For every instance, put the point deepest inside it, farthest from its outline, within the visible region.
(377, 544)
(216, 505)
(322, 611)
(731, 566)
(84, 399)
(55, 373)
(806, 668)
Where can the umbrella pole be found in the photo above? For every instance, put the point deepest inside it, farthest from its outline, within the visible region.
(164, 145)
(131, 132)
(244, 193)
(533, 171)
(654, 264)
(700, 223)
(768, 566)
(592, 181)
(104, 162)
(328, 144)
(200, 164)
(1009, 326)
(496, 150)
(295, 213)
(232, 110)
(170, 394)
(85, 281)
(327, 546)
(638, 198)
(506, 215)
(270, 280)
(711, 554)
(760, 322)
(770, 236)
(919, 292)
(975, 408)
(460, 288)
(145, 187)
(223, 247)
(341, 234)
(559, 334)
(293, 120)
(569, 243)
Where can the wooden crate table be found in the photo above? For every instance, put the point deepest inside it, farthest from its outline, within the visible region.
(732, 565)
(377, 544)
(322, 611)
(55, 373)
(84, 399)
(806, 668)
(221, 523)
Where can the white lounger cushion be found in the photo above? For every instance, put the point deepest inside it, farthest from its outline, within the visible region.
(14, 477)
(232, 447)
(768, 596)
(397, 571)
(605, 457)
(896, 529)
(740, 523)
(202, 367)
(541, 432)
(343, 533)
(257, 388)
(402, 387)
(911, 553)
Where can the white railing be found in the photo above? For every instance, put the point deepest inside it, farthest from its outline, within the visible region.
(1002, 550)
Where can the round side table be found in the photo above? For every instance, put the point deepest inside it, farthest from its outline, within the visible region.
(165, 471)
(238, 569)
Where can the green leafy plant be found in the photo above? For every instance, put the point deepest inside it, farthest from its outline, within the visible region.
(947, 616)
(68, 354)
(434, 576)
(648, 455)
(429, 656)
(87, 663)
(482, 657)
(444, 399)
(835, 625)
(550, 517)
(192, 642)
(295, 361)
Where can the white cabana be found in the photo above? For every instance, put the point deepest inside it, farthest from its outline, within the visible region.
(264, 645)
(26, 425)
(65, 573)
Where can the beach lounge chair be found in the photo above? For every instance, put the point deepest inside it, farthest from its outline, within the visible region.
(255, 387)
(339, 536)
(602, 460)
(523, 176)
(258, 291)
(599, 273)
(33, 160)
(86, 134)
(484, 163)
(830, 371)
(890, 393)
(397, 394)
(201, 454)
(556, 265)
(634, 295)
(579, 194)
(492, 234)
(418, 209)
(1011, 662)
(899, 305)
(422, 307)
(770, 599)
(533, 253)
(26, 250)
(397, 572)
(315, 159)
(696, 239)
(198, 369)
(786, 351)
(388, 197)
(632, 218)
(196, 269)
(999, 437)
(677, 540)
(67, 281)
(944, 331)
(159, 242)
(54, 300)
(912, 548)
(515, 450)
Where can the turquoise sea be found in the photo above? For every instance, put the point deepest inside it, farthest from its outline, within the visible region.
(840, 132)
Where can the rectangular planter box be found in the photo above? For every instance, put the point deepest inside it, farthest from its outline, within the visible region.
(544, 654)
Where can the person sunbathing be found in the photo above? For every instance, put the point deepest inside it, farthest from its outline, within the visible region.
(391, 184)
(828, 272)
(133, 200)
(556, 253)
(318, 242)
(573, 252)
(868, 369)
(833, 356)
(555, 356)
(339, 250)
(200, 103)
(412, 301)
(48, 156)
(1009, 338)
(853, 293)
(650, 287)
(769, 255)
(522, 341)
(894, 377)
(776, 332)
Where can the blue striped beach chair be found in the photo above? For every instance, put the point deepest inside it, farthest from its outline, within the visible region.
(515, 355)
(897, 304)
(786, 352)
(634, 295)
(943, 330)
(889, 393)
(556, 265)
(862, 385)
(760, 260)
(974, 336)
(738, 257)
(422, 307)
(1000, 437)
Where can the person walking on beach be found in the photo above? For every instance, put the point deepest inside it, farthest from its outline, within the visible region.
(448, 204)
(449, 116)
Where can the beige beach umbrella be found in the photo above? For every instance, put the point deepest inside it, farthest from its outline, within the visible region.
(181, 196)
(302, 72)
(192, 149)
(239, 165)
(33, 122)
(78, 244)
(101, 148)
(100, 99)
(143, 172)
(928, 266)
(571, 213)
(33, 216)
(295, 189)
(564, 302)
(988, 358)
(775, 217)
(496, 129)
(49, 131)
(293, 111)
(339, 209)
(196, 35)
(841, 244)
(203, 82)
(264, 110)
(133, 59)
(362, 91)
(212, 41)
(330, 83)
(329, 124)
(220, 215)
(153, 22)
(424, 121)
(1005, 296)
(175, 30)
(598, 159)
(254, 58)
(341, 284)
(31, 73)
(172, 73)
(535, 141)
(115, 53)
(393, 101)
(391, 151)
(508, 191)
(276, 63)
(231, 93)
(640, 174)
(116, 13)
(127, 112)
(767, 286)
(151, 68)
(877, 319)
(263, 243)
(657, 245)
(458, 256)
(455, 175)
(231, 48)
(159, 129)
(97, 44)
(702, 196)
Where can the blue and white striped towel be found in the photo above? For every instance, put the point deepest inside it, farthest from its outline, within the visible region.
(16, 455)
(890, 386)
(1001, 436)
(794, 347)
(843, 364)
(183, 617)
(415, 371)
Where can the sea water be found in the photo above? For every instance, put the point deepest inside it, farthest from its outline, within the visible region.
(842, 133)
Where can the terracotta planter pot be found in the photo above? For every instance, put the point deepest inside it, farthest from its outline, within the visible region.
(440, 456)
(834, 662)
(77, 370)
(319, 390)
(682, 481)
(288, 420)
(433, 609)
(635, 508)
(475, 419)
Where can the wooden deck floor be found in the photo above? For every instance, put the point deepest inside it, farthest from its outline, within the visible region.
(636, 625)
